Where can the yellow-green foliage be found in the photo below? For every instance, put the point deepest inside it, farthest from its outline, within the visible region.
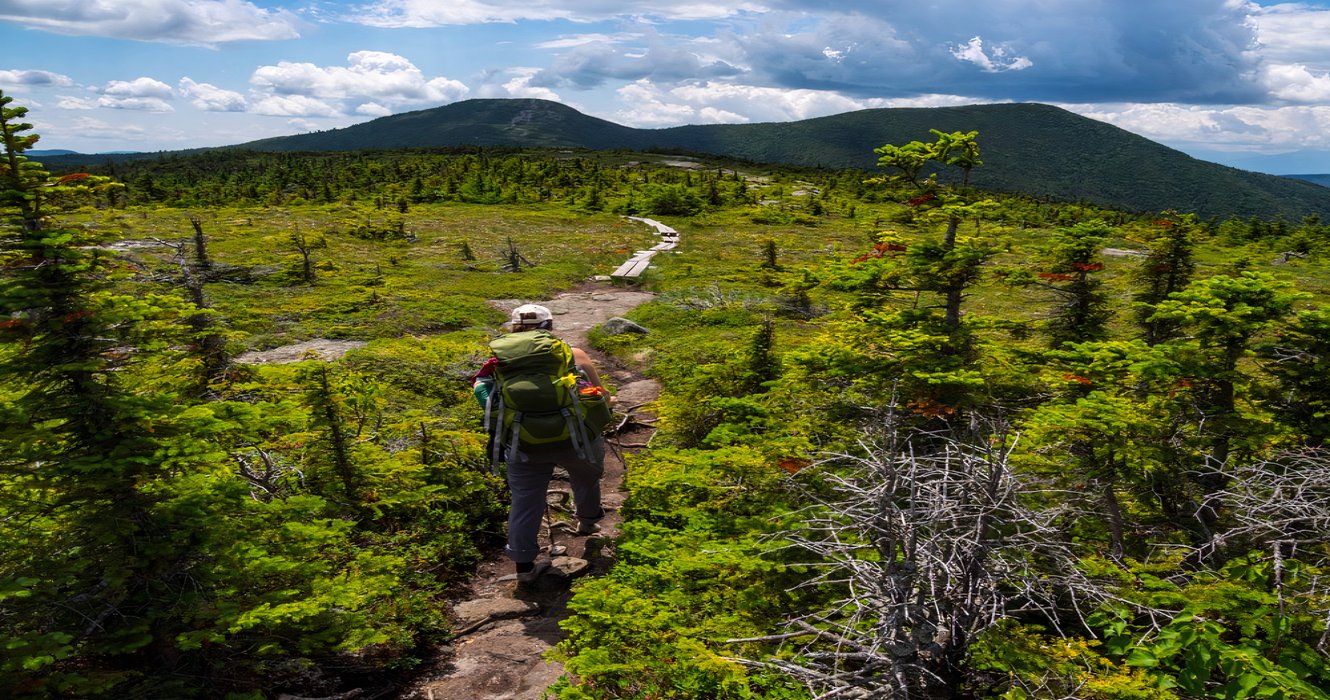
(691, 574)
(1021, 662)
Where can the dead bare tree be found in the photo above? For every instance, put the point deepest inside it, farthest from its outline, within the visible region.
(513, 260)
(1282, 505)
(266, 474)
(201, 259)
(932, 540)
(1285, 498)
(306, 245)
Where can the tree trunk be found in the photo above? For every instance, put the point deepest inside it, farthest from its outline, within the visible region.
(201, 260)
(1116, 528)
(337, 440)
(954, 291)
(211, 346)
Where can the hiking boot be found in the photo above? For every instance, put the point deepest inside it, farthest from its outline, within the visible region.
(529, 572)
(589, 527)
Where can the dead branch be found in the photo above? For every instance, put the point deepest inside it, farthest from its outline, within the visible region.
(930, 540)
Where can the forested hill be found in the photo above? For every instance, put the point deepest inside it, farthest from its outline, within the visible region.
(1029, 148)
(470, 123)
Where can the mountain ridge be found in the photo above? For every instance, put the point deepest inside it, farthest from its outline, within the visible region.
(1030, 148)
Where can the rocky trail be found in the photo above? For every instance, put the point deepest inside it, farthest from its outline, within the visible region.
(502, 633)
(575, 313)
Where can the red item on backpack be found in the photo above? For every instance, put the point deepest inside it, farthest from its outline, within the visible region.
(487, 369)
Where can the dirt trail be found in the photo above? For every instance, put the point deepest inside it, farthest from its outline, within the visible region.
(501, 657)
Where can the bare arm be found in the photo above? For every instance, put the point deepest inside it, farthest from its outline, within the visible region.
(587, 366)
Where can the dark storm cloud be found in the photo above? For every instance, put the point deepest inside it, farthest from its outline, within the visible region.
(1192, 51)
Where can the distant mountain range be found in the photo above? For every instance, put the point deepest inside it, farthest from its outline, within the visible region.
(1323, 180)
(1301, 161)
(1031, 148)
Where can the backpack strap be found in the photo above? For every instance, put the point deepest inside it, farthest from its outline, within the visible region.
(515, 443)
(496, 432)
(489, 406)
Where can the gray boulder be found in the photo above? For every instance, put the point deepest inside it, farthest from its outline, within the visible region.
(618, 325)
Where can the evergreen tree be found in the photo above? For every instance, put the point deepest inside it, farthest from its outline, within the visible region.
(96, 540)
(326, 409)
(1073, 256)
(1219, 317)
(769, 256)
(1299, 358)
(763, 366)
(946, 267)
(1166, 269)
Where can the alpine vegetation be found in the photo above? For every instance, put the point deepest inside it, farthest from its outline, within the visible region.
(880, 433)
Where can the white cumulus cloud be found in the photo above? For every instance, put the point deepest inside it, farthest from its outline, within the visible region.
(1259, 128)
(138, 87)
(34, 78)
(141, 94)
(373, 109)
(1293, 33)
(369, 76)
(294, 106)
(210, 98)
(142, 104)
(515, 82)
(199, 22)
(647, 104)
(71, 102)
(1297, 83)
(973, 52)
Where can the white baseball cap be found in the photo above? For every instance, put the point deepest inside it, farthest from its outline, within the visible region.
(529, 315)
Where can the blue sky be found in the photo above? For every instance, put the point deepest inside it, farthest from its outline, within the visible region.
(1228, 80)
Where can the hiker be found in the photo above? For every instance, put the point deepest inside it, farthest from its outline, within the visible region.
(545, 406)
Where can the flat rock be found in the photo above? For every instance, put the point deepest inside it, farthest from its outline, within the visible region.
(567, 567)
(132, 245)
(602, 278)
(319, 349)
(639, 392)
(473, 611)
(1124, 253)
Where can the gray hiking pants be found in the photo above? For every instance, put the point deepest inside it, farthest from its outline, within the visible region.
(529, 481)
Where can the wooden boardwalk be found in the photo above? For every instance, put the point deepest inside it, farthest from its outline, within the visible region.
(641, 260)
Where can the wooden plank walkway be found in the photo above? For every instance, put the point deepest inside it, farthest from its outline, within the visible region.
(641, 260)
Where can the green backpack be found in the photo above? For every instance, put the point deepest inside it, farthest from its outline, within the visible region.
(535, 404)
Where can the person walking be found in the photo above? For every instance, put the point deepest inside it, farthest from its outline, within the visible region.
(544, 407)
